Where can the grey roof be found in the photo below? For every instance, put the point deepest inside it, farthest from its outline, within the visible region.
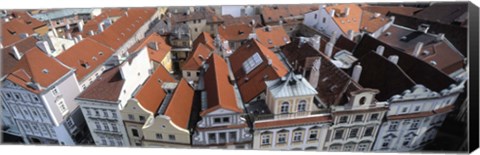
(290, 85)
(61, 13)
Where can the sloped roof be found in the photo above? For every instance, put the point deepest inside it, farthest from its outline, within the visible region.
(253, 83)
(220, 92)
(11, 31)
(106, 13)
(277, 12)
(346, 23)
(155, 55)
(290, 86)
(87, 51)
(384, 10)
(36, 67)
(179, 108)
(151, 94)
(195, 61)
(123, 29)
(272, 36)
(299, 52)
(235, 32)
(370, 23)
(206, 39)
(8, 59)
(230, 20)
(29, 20)
(107, 87)
(444, 12)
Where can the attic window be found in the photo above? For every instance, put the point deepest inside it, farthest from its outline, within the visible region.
(100, 53)
(45, 71)
(404, 38)
(426, 52)
(433, 62)
(270, 41)
(94, 58)
(159, 81)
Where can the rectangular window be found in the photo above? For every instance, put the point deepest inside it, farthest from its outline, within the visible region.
(105, 113)
(114, 127)
(188, 74)
(338, 134)
(404, 109)
(159, 136)
(98, 126)
(353, 133)
(265, 139)
(282, 138)
(114, 114)
(324, 19)
(62, 107)
(226, 119)
(232, 136)
(393, 126)
(105, 126)
(313, 135)
(252, 62)
(198, 74)
(347, 148)
(222, 137)
(343, 119)
(89, 113)
(130, 117)
(55, 91)
(386, 143)
(135, 133)
(407, 141)
(142, 118)
(368, 132)
(171, 137)
(415, 124)
(212, 138)
(373, 117)
(358, 118)
(417, 108)
(362, 147)
(220, 120)
(70, 123)
(104, 140)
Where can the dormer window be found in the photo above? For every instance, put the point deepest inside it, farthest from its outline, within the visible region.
(362, 100)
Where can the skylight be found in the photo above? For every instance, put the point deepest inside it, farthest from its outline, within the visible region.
(252, 63)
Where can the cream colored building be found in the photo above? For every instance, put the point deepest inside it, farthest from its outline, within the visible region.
(292, 120)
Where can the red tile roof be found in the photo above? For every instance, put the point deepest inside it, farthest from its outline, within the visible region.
(195, 61)
(275, 13)
(235, 32)
(107, 87)
(272, 36)
(87, 51)
(179, 108)
(206, 39)
(256, 78)
(8, 59)
(11, 31)
(123, 29)
(36, 66)
(151, 94)
(27, 19)
(155, 55)
(106, 13)
(370, 23)
(220, 92)
(346, 23)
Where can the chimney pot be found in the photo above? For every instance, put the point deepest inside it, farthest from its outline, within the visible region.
(393, 59)
(347, 11)
(357, 71)
(380, 50)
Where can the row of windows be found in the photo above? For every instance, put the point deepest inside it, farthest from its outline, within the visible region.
(111, 141)
(297, 136)
(221, 137)
(131, 117)
(301, 107)
(30, 113)
(354, 133)
(358, 118)
(350, 147)
(413, 126)
(38, 129)
(189, 74)
(106, 126)
(21, 96)
(100, 113)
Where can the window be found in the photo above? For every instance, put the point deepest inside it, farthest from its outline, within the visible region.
(393, 126)
(89, 113)
(302, 106)
(362, 100)
(265, 139)
(159, 136)
(362, 147)
(315, 16)
(353, 133)
(226, 119)
(112, 142)
(114, 115)
(232, 136)
(343, 119)
(171, 137)
(188, 74)
(105, 113)
(212, 138)
(386, 143)
(55, 91)
(196, 29)
(142, 118)
(373, 117)
(130, 117)
(297, 136)
(198, 74)
(313, 135)
(335, 147)
(415, 124)
(407, 141)
(97, 125)
(222, 137)
(252, 62)
(70, 123)
(284, 108)
(105, 126)
(348, 147)
(114, 127)
(135, 132)
(282, 138)
(324, 19)
(220, 120)
(62, 107)
(358, 118)
(417, 108)
(338, 134)
(368, 132)
(404, 109)
(104, 140)
(97, 113)
(119, 142)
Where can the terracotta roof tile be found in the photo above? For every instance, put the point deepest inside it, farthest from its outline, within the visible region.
(179, 108)
(106, 13)
(107, 87)
(230, 20)
(220, 92)
(36, 66)
(256, 78)
(346, 23)
(272, 36)
(272, 14)
(206, 39)
(85, 57)
(195, 61)
(235, 32)
(370, 23)
(384, 10)
(123, 29)
(11, 31)
(8, 59)
(293, 122)
(27, 19)
(155, 55)
(151, 94)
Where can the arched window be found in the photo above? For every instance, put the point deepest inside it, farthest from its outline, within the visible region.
(284, 108)
(362, 100)
(302, 106)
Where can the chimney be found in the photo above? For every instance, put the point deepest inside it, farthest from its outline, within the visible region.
(126, 13)
(357, 71)
(16, 53)
(69, 36)
(51, 43)
(1, 46)
(423, 28)
(418, 48)
(91, 33)
(53, 29)
(315, 42)
(347, 11)
(315, 73)
(440, 37)
(329, 49)
(380, 50)
(43, 45)
(100, 27)
(350, 34)
(393, 59)
(80, 25)
(332, 13)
